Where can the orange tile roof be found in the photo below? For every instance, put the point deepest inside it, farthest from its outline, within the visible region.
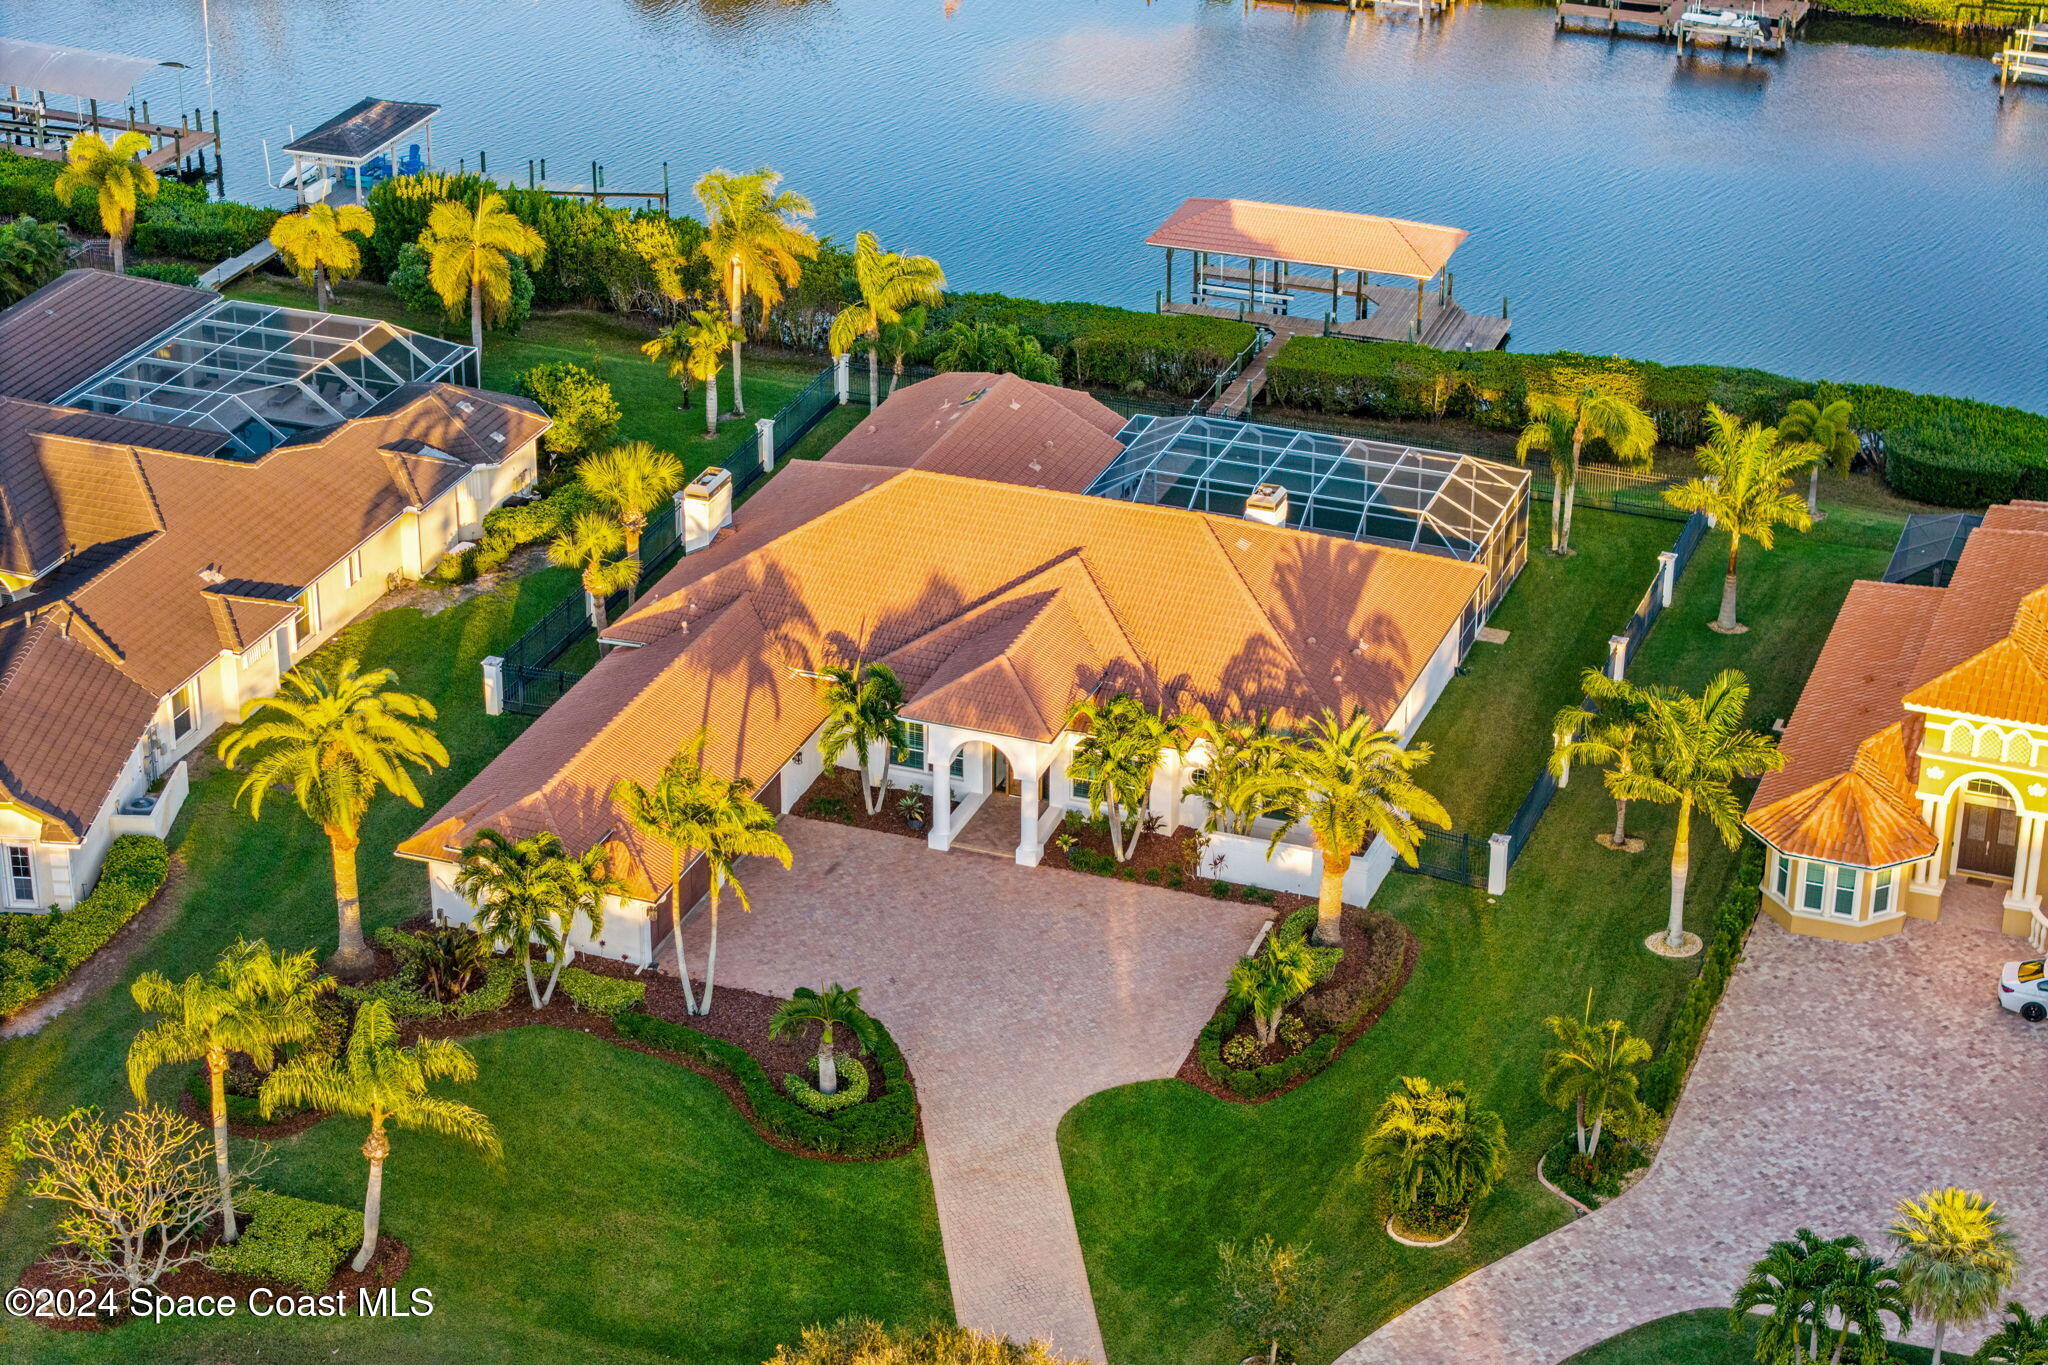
(1285, 232)
(988, 426)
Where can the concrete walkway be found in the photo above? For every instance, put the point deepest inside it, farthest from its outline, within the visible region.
(1837, 1079)
(1015, 992)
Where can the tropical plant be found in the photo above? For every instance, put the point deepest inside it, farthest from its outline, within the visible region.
(595, 546)
(1592, 1071)
(581, 405)
(2021, 1339)
(117, 180)
(1349, 781)
(670, 348)
(1273, 1293)
(1747, 490)
(533, 890)
(253, 1001)
(1121, 743)
(317, 243)
(828, 1011)
(889, 282)
(1560, 425)
(1828, 434)
(448, 959)
(900, 338)
(1792, 1283)
(755, 239)
(709, 335)
(1240, 754)
(631, 480)
(386, 1084)
(994, 348)
(334, 737)
(1437, 1154)
(1607, 732)
(1956, 1258)
(469, 255)
(859, 1341)
(1697, 749)
(861, 702)
(1267, 984)
(1862, 1294)
(31, 255)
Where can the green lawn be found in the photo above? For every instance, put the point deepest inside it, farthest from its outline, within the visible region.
(1702, 1337)
(1160, 1172)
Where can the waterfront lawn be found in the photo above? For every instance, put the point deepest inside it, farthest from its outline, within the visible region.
(1160, 1172)
(1701, 1337)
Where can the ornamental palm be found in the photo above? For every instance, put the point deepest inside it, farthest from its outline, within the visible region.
(1829, 433)
(2021, 1339)
(1560, 425)
(1240, 755)
(317, 245)
(1349, 781)
(695, 810)
(469, 254)
(631, 480)
(1607, 732)
(710, 333)
(1116, 755)
(755, 240)
(1433, 1148)
(385, 1084)
(533, 890)
(889, 282)
(1792, 1281)
(1268, 983)
(253, 1001)
(670, 347)
(861, 703)
(1697, 748)
(1863, 1292)
(1956, 1257)
(900, 338)
(828, 1011)
(1747, 490)
(595, 546)
(31, 255)
(334, 738)
(117, 180)
(1592, 1071)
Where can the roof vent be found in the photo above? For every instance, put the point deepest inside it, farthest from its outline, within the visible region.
(498, 436)
(1267, 504)
(212, 574)
(1035, 467)
(1243, 544)
(465, 407)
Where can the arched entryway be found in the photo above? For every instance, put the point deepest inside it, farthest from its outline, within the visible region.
(1987, 831)
(998, 795)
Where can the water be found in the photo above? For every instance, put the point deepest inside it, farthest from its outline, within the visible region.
(1849, 211)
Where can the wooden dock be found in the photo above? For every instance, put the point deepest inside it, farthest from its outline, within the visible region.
(232, 269)
(45, 132)
(1390, 315)
(2024, 57)
(1778, 20)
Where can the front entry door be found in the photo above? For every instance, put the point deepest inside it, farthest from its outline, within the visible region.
(1002, 774)
(1987, 840)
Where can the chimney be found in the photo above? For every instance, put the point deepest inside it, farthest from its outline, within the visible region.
(1268, 503)
(706, 506)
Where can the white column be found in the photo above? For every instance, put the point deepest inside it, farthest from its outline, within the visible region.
(1030, 848)
(764, 441)
(1927, 876)
(1497, 865)
(1667, 576)
(2025, 867)
(842, 377)
(941, 837)
(1617, 656)
(494, 685)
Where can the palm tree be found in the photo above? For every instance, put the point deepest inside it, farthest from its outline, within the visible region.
(1434, 1149)
(253, 1001)
(2021, 1339)
(1863, 1292)
(900, 338)
(317, 244)
(1240, 755)
(861, 702)
(1560, 425)
(710, 333)
(595, 546)
(671, 347)
(1120, 745)
(385, 1084)
(1697, 748)
(695, 810)
(889, 282)
(117, 180)
(755, 240)
(1607, 732)
(828, 1011)
(1792, 1281)
(1592, 1070)
(533, 889)
(334, 737)
(631, 480)
(1746, 490)
(1349, 781)
(1267, 984)
(1956, 1257)
(31, 255)
(1827, 432)
(469, 254)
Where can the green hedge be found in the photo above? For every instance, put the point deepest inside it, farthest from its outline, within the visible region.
(884, 1126)
(299, 1241)
(594, 994)
(1665, 1077)
(38, 951)
(1105, 347)
(853, 1087)
(179, 221)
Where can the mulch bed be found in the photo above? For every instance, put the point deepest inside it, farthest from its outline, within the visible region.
(842, 786)
(1171, 856)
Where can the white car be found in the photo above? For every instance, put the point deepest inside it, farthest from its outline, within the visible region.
(2023, 989)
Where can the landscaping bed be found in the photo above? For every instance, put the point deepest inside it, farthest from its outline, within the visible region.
(39, 952)
(835, 799)
(1173, 861)
(1592, 1181)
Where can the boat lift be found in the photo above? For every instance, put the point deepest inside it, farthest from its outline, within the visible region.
(361, 143)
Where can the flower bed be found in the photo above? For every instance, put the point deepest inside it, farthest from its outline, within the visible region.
(835, 799)
(37, 952)
(1427, 1225)
(1594, 1180)
(1173, 861)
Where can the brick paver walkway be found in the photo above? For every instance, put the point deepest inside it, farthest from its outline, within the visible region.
(1837, 1078)
(1015, 992)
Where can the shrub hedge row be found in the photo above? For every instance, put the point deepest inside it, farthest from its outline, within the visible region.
(38, 951)
(1665, 1077)
(595, 994)
(883, 1126)
(299, 1241)
(179, 221)
(1105, 347)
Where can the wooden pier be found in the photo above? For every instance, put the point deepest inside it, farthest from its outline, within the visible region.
(1775, 22)
(33, 129)
(1391, 312)
(2024, 57)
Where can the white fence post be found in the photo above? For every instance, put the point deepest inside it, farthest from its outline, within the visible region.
(1667, 576)
(494, 685)
(842, 377)
(1617, 656)
(1564, 776)
(764, 439)
(1497, 865)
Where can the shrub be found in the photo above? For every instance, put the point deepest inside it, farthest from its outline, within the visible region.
(827, 808)
(1665, 1077)
(1241, 1051)
(1113, 348)
(135, 866)
(1294, 1035)
(581, 404)
(853, 1088)
(298, 1241)
(199, 228)
(170, 272)
(1089, 860)
(606, 995)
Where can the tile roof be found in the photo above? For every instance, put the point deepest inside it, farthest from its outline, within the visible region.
(363, 128)
(69, 720)
(989, 426)
(1286, 232)
(80, 323)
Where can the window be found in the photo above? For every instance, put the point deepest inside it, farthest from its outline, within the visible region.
(183, 712)
(21, 876)
(1847, 882)
(1783, 882)
(1882, 892)
(352, 569)
(906, 746)
(1813, 892)
(303, 624)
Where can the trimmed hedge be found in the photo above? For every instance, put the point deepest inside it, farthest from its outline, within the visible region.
(179, 221)
(170, 272)
(299, 1241)
(594, 994)
(1105, 347)
(1665, 1077)
(884, 1126)
(41, 950)
(853, 1087)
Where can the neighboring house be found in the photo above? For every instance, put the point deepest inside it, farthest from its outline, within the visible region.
(946, 538)
(1919, 749)
(176, 528)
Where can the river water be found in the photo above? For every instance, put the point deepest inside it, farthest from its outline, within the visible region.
(1848, 211)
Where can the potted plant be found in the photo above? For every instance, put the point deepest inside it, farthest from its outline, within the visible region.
(911, 806)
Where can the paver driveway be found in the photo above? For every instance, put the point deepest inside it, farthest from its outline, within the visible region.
(1837, 1078)
(1015, 992)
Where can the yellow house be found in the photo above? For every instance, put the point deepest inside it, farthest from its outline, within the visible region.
(1918, 754)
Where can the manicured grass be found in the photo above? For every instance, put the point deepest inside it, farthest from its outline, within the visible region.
(1701, 1337)
(1160, 1172)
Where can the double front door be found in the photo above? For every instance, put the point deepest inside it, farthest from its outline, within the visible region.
(1987, 838)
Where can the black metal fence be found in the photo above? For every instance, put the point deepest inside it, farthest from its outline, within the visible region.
(804, 411)
(1450, 856)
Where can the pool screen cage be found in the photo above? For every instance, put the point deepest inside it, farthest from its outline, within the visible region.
(266, 376)
(1930, 546)
(1434, 501)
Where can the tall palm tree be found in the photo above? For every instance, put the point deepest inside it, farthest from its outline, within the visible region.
(533, 890)
(334, 737)
(1956, 1257)
(1746, 489)
(1120, 745)
(469, 255)
(1560, 425)
(1349, 781)
(317, 245)
(1863, 1292)
(116, 179)
(1697, 748)
(1607, 733)
(889, 282)
(31, 255)
(694, 810)
(834, 1008)
(2021, 1339)
(755, 239)
(385, 1084)
(1593, 1071)
(710, 334)
(1792, 1281)
(631, 480)
(861, 702)
(253, 1001)
(1829, 433)
(1240, 754)
(595, 546)
(1268, 983)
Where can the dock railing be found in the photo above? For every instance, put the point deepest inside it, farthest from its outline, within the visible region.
(1229, 373)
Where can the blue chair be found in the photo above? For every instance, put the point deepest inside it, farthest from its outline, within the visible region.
(412, 163)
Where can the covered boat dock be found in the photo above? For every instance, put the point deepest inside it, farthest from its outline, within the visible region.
(361, 143)
(99, 84)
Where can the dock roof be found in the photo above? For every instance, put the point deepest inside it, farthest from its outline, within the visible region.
(362, 130)
(1304, 236)
(76, 71)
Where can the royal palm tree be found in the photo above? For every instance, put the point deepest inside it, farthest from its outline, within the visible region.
(1592, 1070)
(861, 702)
(1828, 433)
(1792, 1282)
(1267, 984)
(710, 334)
(694, 810)
(1241, 754)
(631, 480)
(317, 243)
(834, 1008)
(253, 1001)
(1746, 489)
(334, 737)
(1120, 745)
(2021, 1339)
(1349, 781)
(1862, 1294)
(1607, 733)
(31, 255)
(386, 1084)
(595, 546)
(116, 179)
(1697, 748)
(469, 254)
(1956, 1258)
(533, 890)
(889, 282)
(755, 239)
(1560, 425)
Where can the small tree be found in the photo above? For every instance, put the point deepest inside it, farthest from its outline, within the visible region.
(828, 1011)
(1241, 756)
(317, 243)
(631, 481)
(889, 282)
(1792, 1284)
(595, 547)
(2021, 1339)
(994, 348)
(1560, 424)
(1864, 1292)
(1608, 733)
(1267, 984)
(670, 348)
(116, 179)
(581, 406)
(1828, 434)
(1120, 745)
(858, 1341)
(710, 333)
(861, 702)
(1956, 1258)
(1437, 1154)
(469, 254)
(900, 338)
(1747, 490)
(1276, 1294)
(1592, 1072)
(533, 891)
